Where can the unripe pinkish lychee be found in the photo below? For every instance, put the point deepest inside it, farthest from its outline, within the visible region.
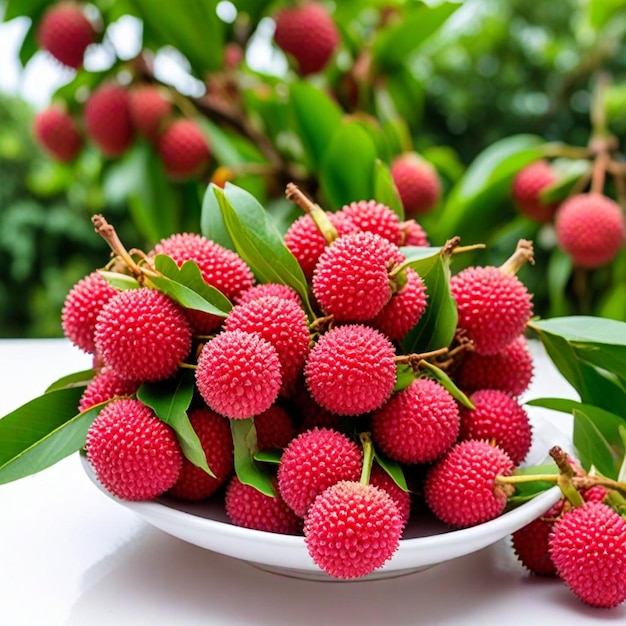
(351, 279)
(527, 186)
(142, 334)
(104, 386)
(417, 183)
(307, 33)
(213, 431)
(82, 304)
(417, 424)
(149, 110)
(248, 507)
(274, 428)
(352, 529)
(238, 374)
(351, 369)
(588, 547)
(375, 217)
(461, 488)
(65, 33)
(134, 455)
(590, 228)
(313, 461)
(413, 234)
(184, 150)
(58, 133)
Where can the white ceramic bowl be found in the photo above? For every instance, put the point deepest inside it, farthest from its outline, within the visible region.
(426, 541)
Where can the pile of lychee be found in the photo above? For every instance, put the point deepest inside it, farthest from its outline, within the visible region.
(352, 433)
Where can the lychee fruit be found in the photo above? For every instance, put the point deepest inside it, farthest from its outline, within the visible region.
(193, 482)
(142, 334)
(108, 121)
(82, 304)
(417, 424)
(104, 386)
(313, 461)
(58, 133)
(274, 428)
(417, 183)
(590, 228)
(381, 479)
(351, 279)
(65, 33)
(248, 507)
(134, 455)
(352, 529)
(413, 234)
(149, 110)
(308, 34)
(374, 217)
(461, 488)
(351, 369)
(588, 547)
(184, 150)
(527, 186)
(263, 290)
(238, 374)
(510, 369)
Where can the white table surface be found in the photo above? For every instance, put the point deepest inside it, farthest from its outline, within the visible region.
(70, 556)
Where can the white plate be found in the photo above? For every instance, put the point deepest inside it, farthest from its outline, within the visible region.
(427, 542)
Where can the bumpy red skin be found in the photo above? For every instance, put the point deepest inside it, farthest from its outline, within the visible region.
(413, 234)
(221, 268)
(238, 374)
(404, 309)
(351, 279)
(134, 454)
(460, 488)
(352, 529)
(511, 369)
(493, 307)
(247, 507)
(65, 33)
(58, 133)
(149, 110)
(268, 289)
(306, 242)
(371, 216)
(213, 430)
(499, 417)
(417, 183)
(528, 184)
(590, 227)
(104, 386)
(379, 478)
(417, 424)
(308, 34)
(351, 370)
(588, 547)
(184, 150)
(142, 334)
(274, 428)
(82, 304)
(312, 462)
(281, 322)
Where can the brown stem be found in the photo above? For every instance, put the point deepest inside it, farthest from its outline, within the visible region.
(523, 254)
(319, 217)
(108, 233)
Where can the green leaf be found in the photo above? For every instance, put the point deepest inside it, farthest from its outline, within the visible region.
(621, 474)
(602, 11)
(405, 375)
(247, 470)
(186, 286)
(269, 456)
(76, 379)
(119, 281)
(592, 448)
(385, 190)
(567, 177)
(212, 225)
(525, 491)
(42, 432)
(559, 271)
(170, 399)
(28, 8)
(393, 468)
(446, 382)
(348, 163)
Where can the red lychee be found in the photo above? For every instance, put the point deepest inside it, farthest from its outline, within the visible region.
(461, 489)
(413, 234)
(238, 374)
(588, 547)
(374, 217)
(527, 186)
(590, 228)
(417, 183)
(149, 109)
(417, 424)
(82, 304)
(248, 507)
(352, 529)
(142, 334)
(313, 461)
(307, 33)
(58, 133)
(184, 150)
(104, 386)
(274, 428)
(351, 369)
(213, 431)
(134, 454)
(65, 33)
(381, 479)
(108, 121)
(268, 289)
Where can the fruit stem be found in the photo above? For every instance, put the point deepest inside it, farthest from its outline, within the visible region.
(565, 476)
(527, 478)
(319, 217)
(416, 361)
(461, 249)
(368, 457)
(523, 254)
(552, 150)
